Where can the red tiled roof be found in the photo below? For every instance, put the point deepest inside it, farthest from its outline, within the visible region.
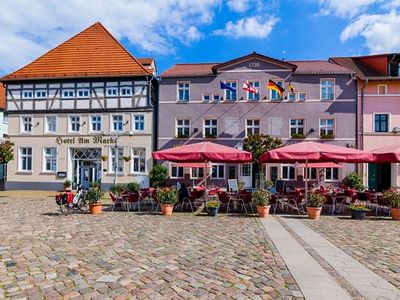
(93, 52)
(145, 60)
(357, 66)
(2, 97)
(319, 67)
(187, 70)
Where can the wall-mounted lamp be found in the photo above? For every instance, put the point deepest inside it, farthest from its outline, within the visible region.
(36, 125)
(265, 98)
(83, 123)
(311, 130)
(126, 123)
(241, 98)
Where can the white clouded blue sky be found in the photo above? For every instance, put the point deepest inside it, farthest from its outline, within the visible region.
(176, 31)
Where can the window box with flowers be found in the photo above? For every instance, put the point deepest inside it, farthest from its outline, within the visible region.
(210, 136)
(182, 136)
(126, 158)
(328, 136)
(297, 136)
(104, 157)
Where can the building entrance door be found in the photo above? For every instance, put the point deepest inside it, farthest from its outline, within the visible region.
(88, 173)
(379, 176)
(86, 166)
(245, 175)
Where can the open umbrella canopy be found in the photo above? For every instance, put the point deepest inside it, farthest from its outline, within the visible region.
(202, 152)
(390, 153)
(315, 152)
(320, 165)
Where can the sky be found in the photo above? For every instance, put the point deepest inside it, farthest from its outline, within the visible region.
(190, 31)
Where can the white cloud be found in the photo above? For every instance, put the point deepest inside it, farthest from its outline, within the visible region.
(238, 5)
(345, 8)
(255, 27)
(393, 4)
(28, 28)
(380, 31)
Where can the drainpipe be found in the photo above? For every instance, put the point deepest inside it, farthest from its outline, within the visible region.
(362, 120)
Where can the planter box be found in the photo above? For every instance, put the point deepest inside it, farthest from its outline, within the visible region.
(358, 214)
(212, 211)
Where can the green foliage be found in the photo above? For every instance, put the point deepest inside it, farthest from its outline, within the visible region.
(167, 196)
(392, 197)
(133, 186)
(261, 197)
(94, 195)
(297, 136)
(6, 152)
(327, 136)
(269, 184)
(359, 207)
(95, 184)
(258, 144)
(117, 189)
(315, 200)
(213, 204)
(353, 180)
(158, 176)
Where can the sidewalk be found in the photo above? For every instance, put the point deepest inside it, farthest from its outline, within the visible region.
(27, 194)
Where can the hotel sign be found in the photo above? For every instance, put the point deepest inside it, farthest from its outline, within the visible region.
(85, 140)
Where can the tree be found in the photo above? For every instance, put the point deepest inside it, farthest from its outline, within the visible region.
(158, 176)
(6, 152)
(258, 144)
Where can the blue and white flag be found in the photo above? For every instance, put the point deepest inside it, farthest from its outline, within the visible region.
(224, 86)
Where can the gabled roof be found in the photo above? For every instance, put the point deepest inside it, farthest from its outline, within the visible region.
(319, 67)
(190, 70)
(281, 63)
(149, 63)
(2, 97)
(93, 52)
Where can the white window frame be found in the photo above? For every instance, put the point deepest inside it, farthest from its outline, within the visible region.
(68, 96)
(140, 121)
(46, 122)
(23, 124)
(333, 89)
(291, 94)
(41, 95)
(330, 179)
(112, 94)
(120, 164)
(182, 126)
(211, 127)
(83, 90)
(183, 88)
(177, 172)
(112, 129)
(139, 158)
(289, 166)
(52, 157)
(216, 95)
(380, 85)
(297, 126)
(20, 159)
(91, 123)
(204, 95)
(252, 126)
(303, 93)
(195, 173)
(218, 171)
(388, 125)
(70, 123)
(24, 96)
(272, 91)
(307, 174)
(125, 91)
(320, 126)
(248, 168)
(257, 87)
(226, 91)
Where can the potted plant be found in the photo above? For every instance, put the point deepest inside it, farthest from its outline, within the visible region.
(104, 157)
(158, 176)
(353, 181)
(167, 199)
(212, 208)
(358, 211)
(94, 195)
(126, 158)
(241, 184)
(261, 199)
(328, 136)
(392, 197)
(314, 205)
(67, 185)
(117, 189)
(133, 187)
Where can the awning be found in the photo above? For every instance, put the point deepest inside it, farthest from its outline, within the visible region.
(320, 165)
(191, 165)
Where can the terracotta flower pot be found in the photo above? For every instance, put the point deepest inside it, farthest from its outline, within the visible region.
(95, 209)
(395, 212)
(166, 209)
(314, 212)
(263, 210)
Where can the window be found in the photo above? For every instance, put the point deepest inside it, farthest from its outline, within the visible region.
(126, 91)
(327, 86)
(50, 159)
(176, 172)
(96, 123)
(197, 173)
(68, 93)
(218, 171)
(274, 94)
(394, 68)
(138, 160)
(273, 174)
(27, 94)
(83, 93)
(302, 96)
(288, 172)
(5, 118)
(75, 123)
(311, 173)
(40, 94)
(231, 95)
(245, 170)
(297, 128)
(139, 122)
(252, 127)
(210, 128)
(182, 128)
(206, 97)
(381, 123)
(116, 163)
(51, 124)
(327, 128)
(26, 124)
(331, 174)
(382, 89)
(117, 122)
(252, 96)
(291, 96)
(183, 91)
(216, 97)
(25, 158)
(112, 92)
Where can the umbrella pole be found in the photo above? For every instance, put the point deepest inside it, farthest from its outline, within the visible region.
(306, 179)
(205, 179)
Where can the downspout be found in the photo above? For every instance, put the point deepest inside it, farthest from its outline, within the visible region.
(362, 123)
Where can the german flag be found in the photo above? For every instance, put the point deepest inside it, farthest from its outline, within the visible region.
(273, 86)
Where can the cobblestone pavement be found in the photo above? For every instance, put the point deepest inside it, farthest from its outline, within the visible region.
(375, 242)
(126, 255)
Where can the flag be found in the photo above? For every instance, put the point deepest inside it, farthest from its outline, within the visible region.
(273, 86)
(248, 87)
(291, 88)
(224, 86)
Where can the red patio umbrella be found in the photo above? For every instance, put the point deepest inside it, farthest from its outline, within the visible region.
(204, 152)
(387, 154)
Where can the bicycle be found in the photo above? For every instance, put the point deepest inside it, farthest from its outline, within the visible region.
(69, 202)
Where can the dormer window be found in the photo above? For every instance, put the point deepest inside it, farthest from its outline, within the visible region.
(68, 93)
(27, 94)
(40, 94)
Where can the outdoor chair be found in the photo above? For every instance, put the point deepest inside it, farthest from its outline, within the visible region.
(134, 201)
(116, 200)
(246, 197)
(224, 198)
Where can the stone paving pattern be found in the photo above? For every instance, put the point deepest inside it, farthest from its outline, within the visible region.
(375, 242)
(126, 255)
